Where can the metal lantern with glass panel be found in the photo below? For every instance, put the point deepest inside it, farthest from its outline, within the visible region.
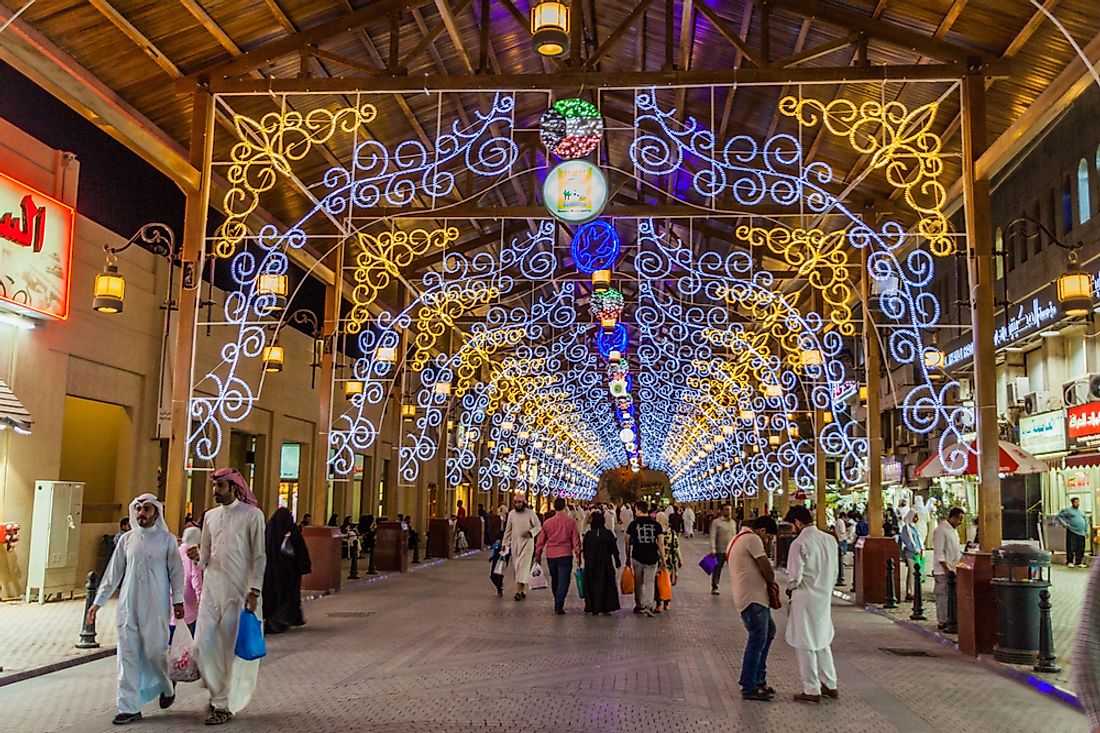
(550, 28)
(273, 355)
(109, 293)
(272, 288)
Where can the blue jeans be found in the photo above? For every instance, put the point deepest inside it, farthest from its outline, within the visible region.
(561, 571)
(754, 667)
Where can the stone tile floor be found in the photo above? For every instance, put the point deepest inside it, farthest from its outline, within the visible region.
(438, 651)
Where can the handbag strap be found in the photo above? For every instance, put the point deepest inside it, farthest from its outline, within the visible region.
(734, 542)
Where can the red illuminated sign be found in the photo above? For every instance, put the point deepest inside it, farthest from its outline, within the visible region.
(1083, 423)
(36, 249)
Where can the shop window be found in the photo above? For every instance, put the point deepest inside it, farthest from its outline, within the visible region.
(1067, 206)
(1084, 204)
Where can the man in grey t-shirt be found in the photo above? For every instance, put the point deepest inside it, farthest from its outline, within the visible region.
(722, 530)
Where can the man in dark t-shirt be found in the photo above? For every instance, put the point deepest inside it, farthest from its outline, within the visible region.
(645, 552)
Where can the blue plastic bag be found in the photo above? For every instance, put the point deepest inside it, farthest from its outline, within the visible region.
(250, 638)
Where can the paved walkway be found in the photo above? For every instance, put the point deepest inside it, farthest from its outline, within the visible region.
(436, 650)
(33, 635)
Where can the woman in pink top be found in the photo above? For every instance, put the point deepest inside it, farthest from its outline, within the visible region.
(192, 577)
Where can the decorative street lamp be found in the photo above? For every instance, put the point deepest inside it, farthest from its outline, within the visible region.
(550, 28)
(110, 286)
(1074, 286)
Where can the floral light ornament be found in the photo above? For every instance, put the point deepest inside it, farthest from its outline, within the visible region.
(607, 307)
(571, 128)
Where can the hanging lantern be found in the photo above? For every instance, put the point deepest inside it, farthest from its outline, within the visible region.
(810, 357)
(490, 444)
(792, 431)
(386, 354)
(272, 288)
(601, 279)
(110, 290)
(408, 410)
(727, 430)
(933, 358)
(1075, 290)
(550, 28)
(524, 434)
(773, 440)
(826, 417)
(443, 388)
(863, 393)
(352, 387)
(507, 426)
(773, 390)
(273, 357)
(747, 415)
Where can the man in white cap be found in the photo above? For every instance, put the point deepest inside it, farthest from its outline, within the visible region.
(233, 556)
(146, 563)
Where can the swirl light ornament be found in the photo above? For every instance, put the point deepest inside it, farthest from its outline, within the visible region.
(595, 246)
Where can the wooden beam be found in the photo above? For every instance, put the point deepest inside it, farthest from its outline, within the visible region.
(731, 35)
(211, 26)
(257, 57)
(429, 38)
(880, 29)
(817, 52)
(618, 33)
(451, 23)
(37, 58)
(137, 37)
(687, 35)
(603, 80)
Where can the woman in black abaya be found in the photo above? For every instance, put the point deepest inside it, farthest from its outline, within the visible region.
(601, 557)
(287, 562)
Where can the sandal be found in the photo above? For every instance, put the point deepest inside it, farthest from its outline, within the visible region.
(518, 597)
(218, 717)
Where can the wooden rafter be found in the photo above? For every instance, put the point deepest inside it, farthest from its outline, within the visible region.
(736, 40)
(138, 38)
(620, 31)
(451, 23)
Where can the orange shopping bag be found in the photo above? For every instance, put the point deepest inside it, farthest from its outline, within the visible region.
(664, 585)
(626, 583)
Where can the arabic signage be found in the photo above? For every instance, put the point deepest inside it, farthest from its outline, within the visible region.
(36, 247)
(1083, 424)
(1043, 433)
(575, 191)
(1026, 319)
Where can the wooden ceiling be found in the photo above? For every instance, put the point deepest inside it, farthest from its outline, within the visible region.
(152, 53)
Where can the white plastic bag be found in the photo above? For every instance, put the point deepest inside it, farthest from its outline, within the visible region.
(181, 660)
(538, 580)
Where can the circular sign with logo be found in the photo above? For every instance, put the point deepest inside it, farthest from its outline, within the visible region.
(575, 191)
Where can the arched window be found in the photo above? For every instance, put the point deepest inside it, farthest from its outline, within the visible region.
(1084, 202)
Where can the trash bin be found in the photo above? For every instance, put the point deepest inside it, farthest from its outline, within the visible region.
(1019, 572)
(783, 542)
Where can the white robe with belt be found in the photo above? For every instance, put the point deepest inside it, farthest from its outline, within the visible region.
(811, 574)
(233, 557)
(146, 563)
(522, 548)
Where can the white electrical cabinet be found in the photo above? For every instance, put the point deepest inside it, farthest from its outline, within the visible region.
(55, 538)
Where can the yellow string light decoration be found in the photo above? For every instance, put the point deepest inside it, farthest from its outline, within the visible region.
(381, 258)
(820, 257)
(901, 143)
(439, 311)
(266, 149)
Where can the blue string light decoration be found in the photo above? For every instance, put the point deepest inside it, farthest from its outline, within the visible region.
(595, 246)
(618, 339)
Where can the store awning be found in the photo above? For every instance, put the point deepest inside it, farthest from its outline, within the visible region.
(12, 413)
(1013, 460)
(1083, 460)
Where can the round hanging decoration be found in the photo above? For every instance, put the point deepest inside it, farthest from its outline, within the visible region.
(618, 387)
(575, 191)
(571, 128)
(595, 246)
(607, 304)
(626, 435)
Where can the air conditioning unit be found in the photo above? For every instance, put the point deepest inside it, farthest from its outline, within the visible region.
(1036, 402)
(966, 389)
(1094, 387)
(1076, 392)
(1018, 388)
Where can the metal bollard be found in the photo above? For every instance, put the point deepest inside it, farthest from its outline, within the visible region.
(428, 546)
(1046, 659)
(918, 600)
(840, 567)
(891, 593)
(416, 552)
(952, 626)
(372, 568)
(87, 631)
(353, 574)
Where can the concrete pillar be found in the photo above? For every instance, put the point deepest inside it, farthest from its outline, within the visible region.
(819, 473)
(183, 363)
(872, 363)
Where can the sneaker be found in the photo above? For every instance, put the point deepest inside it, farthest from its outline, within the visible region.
(757, 695)
(830, 692)
(714, 592)
(767, 690)
(803, 697)
(124, 718)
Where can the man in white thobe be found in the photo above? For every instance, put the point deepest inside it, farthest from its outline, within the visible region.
(146, 563)
(609, 518)
(689, 522)
(811, 574)
(519, 537)
(233, 556)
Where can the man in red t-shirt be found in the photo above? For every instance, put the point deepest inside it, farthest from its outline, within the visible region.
(561, 541)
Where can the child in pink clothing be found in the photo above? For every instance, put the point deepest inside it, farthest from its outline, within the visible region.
(192, 577)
